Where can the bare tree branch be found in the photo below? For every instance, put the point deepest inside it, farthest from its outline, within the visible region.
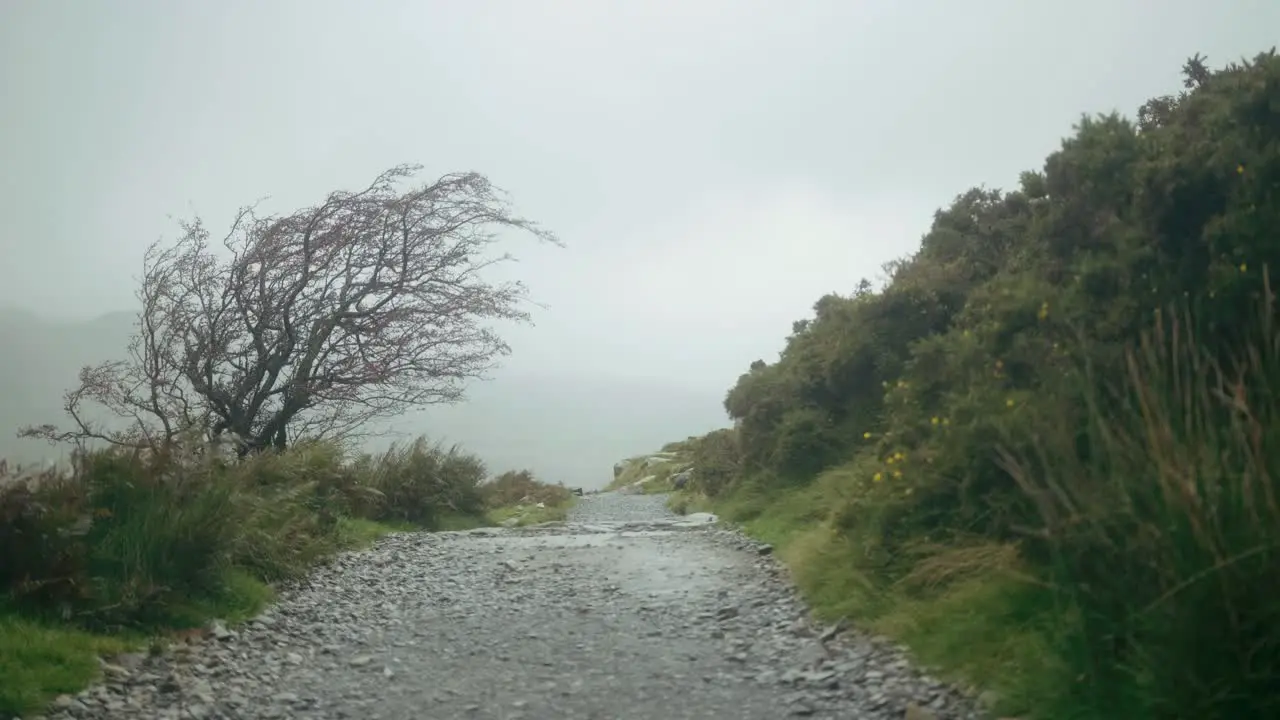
(315, 323)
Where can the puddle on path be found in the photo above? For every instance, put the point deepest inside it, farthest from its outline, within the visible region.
(654, 559)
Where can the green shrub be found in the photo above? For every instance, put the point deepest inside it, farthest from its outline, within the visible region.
(125, 539)
(1165, 534)
(149, 541)
(422, 483)
(289, 508)
(41, 518)
(959, 429)
(132, 539)
(520, 487)
(717, 461)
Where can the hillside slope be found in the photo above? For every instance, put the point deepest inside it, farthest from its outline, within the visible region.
(1045, 455)
(40, 359)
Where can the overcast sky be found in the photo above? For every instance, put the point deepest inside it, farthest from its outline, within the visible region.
(714, 166)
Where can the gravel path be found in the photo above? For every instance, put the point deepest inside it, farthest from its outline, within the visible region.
(625, 611)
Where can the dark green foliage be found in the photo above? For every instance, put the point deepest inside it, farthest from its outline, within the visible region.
(1018, 383)
(516, 487)
(716, 461)
(420, 483)
(126, 539)
(145, 542)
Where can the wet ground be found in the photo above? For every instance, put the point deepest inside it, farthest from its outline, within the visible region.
(626, 611)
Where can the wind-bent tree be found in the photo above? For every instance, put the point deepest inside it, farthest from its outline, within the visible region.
(314, 323)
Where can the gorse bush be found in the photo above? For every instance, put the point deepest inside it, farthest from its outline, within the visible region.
(125, 539)
(716, 461)
(1056, 416)
(517, 487)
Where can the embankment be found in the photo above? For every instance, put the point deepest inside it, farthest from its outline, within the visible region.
(1044, 453)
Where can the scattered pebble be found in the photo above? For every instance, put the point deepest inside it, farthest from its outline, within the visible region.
(623, 611)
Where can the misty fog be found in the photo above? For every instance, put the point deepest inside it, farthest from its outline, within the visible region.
(713, 167)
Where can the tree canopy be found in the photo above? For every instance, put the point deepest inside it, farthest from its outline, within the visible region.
(314, 323)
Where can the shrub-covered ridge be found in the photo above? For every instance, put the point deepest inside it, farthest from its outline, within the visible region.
(1041, 452)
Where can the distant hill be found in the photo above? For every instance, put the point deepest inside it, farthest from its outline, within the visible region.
(564, 427)
(570, 429)
(39, 361)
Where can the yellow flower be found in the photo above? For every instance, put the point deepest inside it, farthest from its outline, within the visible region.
(897, 473)
(1244, 267)
(877, 477)
(1239, 169)
(1009, 402)
(889, 460)
(1044, 311)
(899, 456)
(933, 420)
(866, 436)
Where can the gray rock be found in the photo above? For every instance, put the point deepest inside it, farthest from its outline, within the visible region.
(218, 630)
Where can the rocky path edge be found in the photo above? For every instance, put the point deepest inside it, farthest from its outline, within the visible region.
(247, 671)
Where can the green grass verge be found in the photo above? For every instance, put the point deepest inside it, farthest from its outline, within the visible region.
(985, 629)
(39, 661)
(41, 658)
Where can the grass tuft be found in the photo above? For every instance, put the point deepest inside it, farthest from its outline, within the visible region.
(125, 548)
(41, 660)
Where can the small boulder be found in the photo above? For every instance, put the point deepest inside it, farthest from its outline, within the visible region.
(695, 520)
(915, 712)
